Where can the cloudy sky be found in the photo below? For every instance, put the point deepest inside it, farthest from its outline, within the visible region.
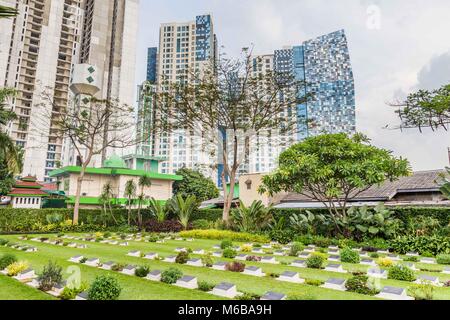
(395, 47)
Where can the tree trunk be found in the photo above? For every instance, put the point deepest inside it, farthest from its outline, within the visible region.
(76, 207)
(129, 211)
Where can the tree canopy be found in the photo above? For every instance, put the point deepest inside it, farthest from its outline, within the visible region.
(425, 109)
(334, 168)
(195, 183)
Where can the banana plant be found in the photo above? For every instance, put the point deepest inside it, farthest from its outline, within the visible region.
(306, 222)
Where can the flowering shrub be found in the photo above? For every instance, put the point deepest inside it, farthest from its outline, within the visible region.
(385, 262)
(246, 248)
(16, 267)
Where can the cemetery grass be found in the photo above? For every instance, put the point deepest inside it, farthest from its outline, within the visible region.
(11, 289)
(134, 288)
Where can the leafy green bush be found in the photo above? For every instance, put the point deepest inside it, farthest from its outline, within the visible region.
(282, 236)
(374, 255)
(51, 275)
(227, 243)
(153, 238)
(71, 293)
(201, 224)
(224, 234)
(429, 244)
(207, 259)
(104, 288)
(349, 256)
(248, 296)
(359, 284)
(423, 291)
(205, 286)
(443, 259)
(142, 271)
(411, 259)
(118, 267)
(3, 242)
(6, 260)
(229, 253)
(314, 282)
(401, 272)
(315, 261)
(295, 249)
(171, 275)
(302, 296)
(182, 257)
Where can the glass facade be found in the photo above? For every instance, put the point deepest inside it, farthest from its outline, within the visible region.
(203, 37)
(151, 64)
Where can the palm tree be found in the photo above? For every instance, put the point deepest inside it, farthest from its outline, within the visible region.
(130, 193)
(144, 181)
(158, 210)
(7, 12)
(10, 154)
(183, 208)
(106, 198)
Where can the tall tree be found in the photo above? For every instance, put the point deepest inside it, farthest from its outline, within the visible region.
(195, 183)
(333, 169)
(230, 106)
(11, 156)
(130, 193)
(106, 199)
(8, 12)
(85, 127)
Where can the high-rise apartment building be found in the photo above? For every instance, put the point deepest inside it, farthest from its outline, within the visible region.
(37, 50)
(324, 65)
(184, 47)
(109, 45)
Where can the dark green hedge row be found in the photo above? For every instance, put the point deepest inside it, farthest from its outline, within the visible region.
(26, 219)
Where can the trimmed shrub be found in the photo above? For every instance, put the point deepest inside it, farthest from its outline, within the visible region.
(201, 224)
(282, 236)
(16, 267)
(248, 296)
(182, 257)
(71, 293)
(235, 266)
(227, 243)
(295, 249)
(253, 258)
(142, 271)
(314, 282)
(385, 262)
(153, 238)
(443, 259)
(349, 256)
(51, 275)
(246, 248)
(171, 275)
(104, 288)
(118, 267)
(224, 234)
(302, 296)
(411, 259)
(153, 225)
(3, 242)
(315, 261)
(229, 253)
(402, 273)
(423, 291)
(359, 284)
(205, 286)
(6, 260)
(433, 245)
(207, 259)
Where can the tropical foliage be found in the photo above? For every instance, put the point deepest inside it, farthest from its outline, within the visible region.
(158, 210)
(183, 208)
(251, 219)
(7, 12)
(196, 184)
(333, 169)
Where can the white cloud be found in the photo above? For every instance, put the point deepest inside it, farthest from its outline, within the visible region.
(408, 51)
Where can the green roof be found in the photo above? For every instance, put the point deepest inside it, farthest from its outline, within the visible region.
(114, 162)
(114, 172)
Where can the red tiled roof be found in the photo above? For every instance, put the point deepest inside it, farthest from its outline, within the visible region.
(27, 184)
(30, 192)
(49, 186)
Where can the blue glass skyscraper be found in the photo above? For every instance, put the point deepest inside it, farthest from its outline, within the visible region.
(324, 65)
(152, 57)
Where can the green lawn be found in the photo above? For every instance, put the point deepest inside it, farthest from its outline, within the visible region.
(11, 289)
(137, 288)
